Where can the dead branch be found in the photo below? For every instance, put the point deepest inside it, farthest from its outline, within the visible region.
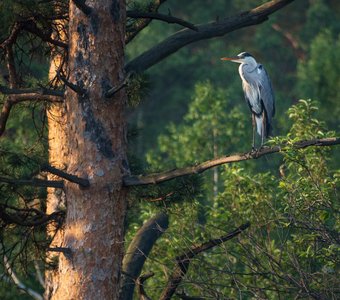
(140, 286)
(58, 184)
(168, 175)
(183, 261)
(139, 250)
(81, 5)
(157, 16)
(205, 31)
(72, 178)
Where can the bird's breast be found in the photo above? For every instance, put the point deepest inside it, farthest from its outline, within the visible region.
(252, 94)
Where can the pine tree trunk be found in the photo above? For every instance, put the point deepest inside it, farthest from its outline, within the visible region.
(88, 139)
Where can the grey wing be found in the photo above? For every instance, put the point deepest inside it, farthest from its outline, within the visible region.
(266, 92)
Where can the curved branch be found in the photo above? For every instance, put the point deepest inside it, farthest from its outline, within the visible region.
(138, 251)
(205, 31)
(183, 261)
(168, 175)
(157, 16)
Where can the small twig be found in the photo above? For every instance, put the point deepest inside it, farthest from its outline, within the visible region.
(81, 5)
(72, 178)
(116, 89)
(183, 261)
(140, 288)
(157, 16)
(34, 182)
(199, 168)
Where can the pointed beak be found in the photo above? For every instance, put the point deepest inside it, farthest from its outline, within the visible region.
(233, 59)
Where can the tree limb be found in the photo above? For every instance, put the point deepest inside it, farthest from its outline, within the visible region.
(183, 261)
(205, 31)
(157, 16)
(138, 251)
(168, 175)
(34, 182)
(72, 178)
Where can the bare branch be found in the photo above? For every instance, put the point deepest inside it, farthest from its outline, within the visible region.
(157, 16)
(18, 283)
(82, 6)
(168, 175)
(72, 178)
(139, 250)
(140, 286)
(39, 274)
(33, 182)
(205, 31)
(183, 261)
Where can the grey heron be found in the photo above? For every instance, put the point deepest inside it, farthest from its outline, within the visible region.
(258, 93)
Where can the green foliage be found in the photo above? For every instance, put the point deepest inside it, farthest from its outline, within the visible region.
(292, 245)
(319, 75)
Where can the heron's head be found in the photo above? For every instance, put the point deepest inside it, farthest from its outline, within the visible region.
(243, 57)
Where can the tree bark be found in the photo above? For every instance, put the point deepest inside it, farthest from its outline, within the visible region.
(88, 139)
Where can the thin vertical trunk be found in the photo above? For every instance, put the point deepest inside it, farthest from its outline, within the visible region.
(93, 137)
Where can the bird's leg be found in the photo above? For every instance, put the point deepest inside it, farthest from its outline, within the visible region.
(263, 131)
(254, 124)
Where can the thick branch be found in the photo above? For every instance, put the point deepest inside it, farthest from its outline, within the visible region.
(72, 178)
(168, 175)
(10, 40)
(157, 16)
(138, 251)
(183, 261)
(33, 182)
(205, 31)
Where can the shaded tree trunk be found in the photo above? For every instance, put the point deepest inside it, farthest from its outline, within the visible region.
(87, 138)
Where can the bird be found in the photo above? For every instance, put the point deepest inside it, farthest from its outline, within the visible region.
(258, 93)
